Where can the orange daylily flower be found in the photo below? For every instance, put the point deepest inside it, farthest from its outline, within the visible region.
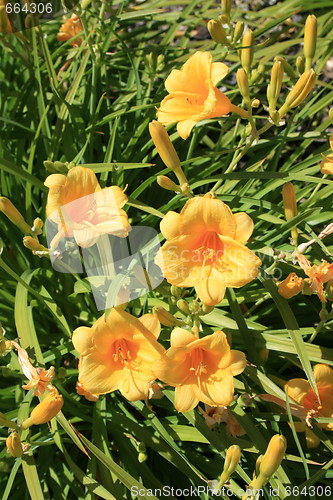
(326, 166)
(200, 369)
(118, 352)
(39, 378)
(318, 274)
(205, 249)
(300, 391)
(193, 95)
(71, 27)
(82, 209)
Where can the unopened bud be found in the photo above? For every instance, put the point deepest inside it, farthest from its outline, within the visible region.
(183, 306)
(258, 73)
(14, 215)
(163, 145)
(243, 84)
(310, 40)
(217, 32)
(232, 458)
(164, 316)
(14, 445)
(238, 31)
(226, 7)
(286, 66)
(274, 88)
(85, 4)
(37, 226)
(224, 19)
(45, 410)
(175, 291)
(291, 286)
(300, 64)
(273, 456)
(49, 165)
(255, 103)
(194, 307)
(166, 183)
(207, 309)
(263, 354)
(330, 114)
(34, 245)
(274, 116)
(246, 53)
(290, 206)
(142, 457)
(299, 92)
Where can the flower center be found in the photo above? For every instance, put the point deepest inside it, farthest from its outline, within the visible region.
(198, 365)
(121, 351)
(211, 248)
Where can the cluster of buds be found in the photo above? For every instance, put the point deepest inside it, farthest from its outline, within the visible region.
(223, 30)
(268, 463)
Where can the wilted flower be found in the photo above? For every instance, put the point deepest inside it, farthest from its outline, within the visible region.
(82, 209)
(39, 378)
(291, 286)
(118, 352)
(193, 95)
(300, 391)
(318, 274)
(205, 249)
(71, 27)
(217, 415)
(200, 369)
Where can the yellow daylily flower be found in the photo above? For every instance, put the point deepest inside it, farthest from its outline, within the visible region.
(300, 391)
(118, 352)
(82, 209)
(200, 369)
(71, 27)
(205, 249)
(193, 95)
(326, 166)
(318, 274)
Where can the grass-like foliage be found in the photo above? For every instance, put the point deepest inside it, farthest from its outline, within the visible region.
(82, 102)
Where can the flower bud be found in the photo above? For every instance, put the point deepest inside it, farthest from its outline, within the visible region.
(14, 215)
(34, 245)
(291, 286)
(246, 53)
(258, 73)
(330, 114)
(226, 7)
(255, 103)
(290, 206)
(273, 456)
(164, 316)
(243, 84)
(194, 307)
(274, 88)
(183, 306)
(238, 31)
(286, 66)
(310, 40)
(45, 410)
(14, 445)
(85, 4)
(299, 92)
(166, 183)
(163, 145)
(175, 291)
(37, 226)
(217, 32)
(274, 116)
(326, 165)
(224, 19)
(232, 458)
(300, 64)
(207, 309)
(49, 165)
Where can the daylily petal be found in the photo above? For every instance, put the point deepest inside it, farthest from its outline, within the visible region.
(210, 288)
(218, 71)
(152, 324)
(194, 73)
(312, 441)
(244, 227)
(184, 128)
(217, 393)
(323, 375)
(208, 213)
(85, 237)
(185, 398)
(55, 180)
(297, 389)
(181, 337)
(237, 362)
(170, 225)
(326, 165)
(82, 339)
